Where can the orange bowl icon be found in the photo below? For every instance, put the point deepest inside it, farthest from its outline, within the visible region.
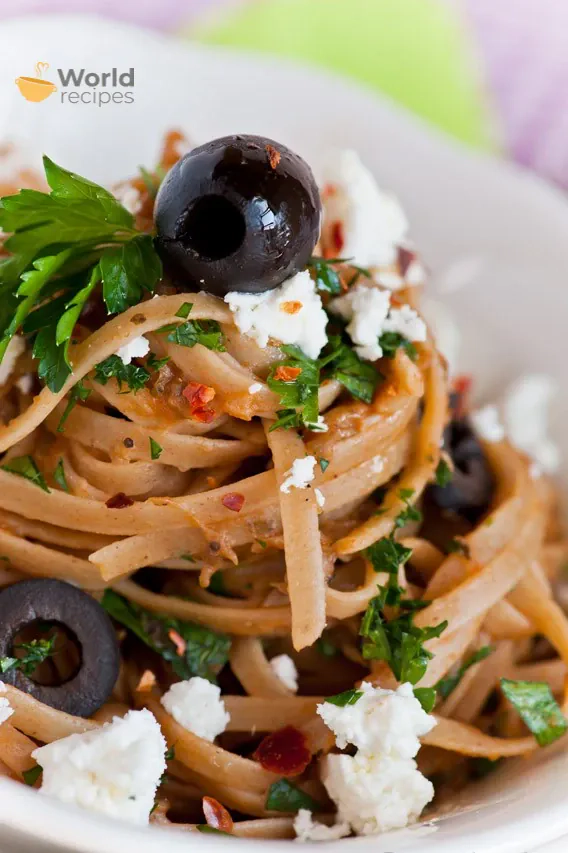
(34, 89)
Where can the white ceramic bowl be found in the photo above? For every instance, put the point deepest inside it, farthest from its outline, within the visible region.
(473, 217)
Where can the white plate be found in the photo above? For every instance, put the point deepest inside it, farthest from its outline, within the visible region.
(503, 228)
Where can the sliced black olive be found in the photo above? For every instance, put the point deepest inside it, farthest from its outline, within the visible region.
(241, 213)
(470, 490)
(81, 617)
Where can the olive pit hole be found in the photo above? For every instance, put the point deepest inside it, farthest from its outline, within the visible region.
(213, 228)
(56, 644)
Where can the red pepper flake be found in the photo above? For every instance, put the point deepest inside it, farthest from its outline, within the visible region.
(461, 390)
(284, 752)
(217, 815)
(233, 501)
(405, 258)
(274, 156)
(337, 236)
(291, 307)
(119, 501)
(328, 190)
(287, 374)
(178, 642)
(198, 395)
(147, 681)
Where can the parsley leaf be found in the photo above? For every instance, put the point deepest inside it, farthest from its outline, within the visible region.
(155, 449)
(389, 342)
(31, 776)
(324, 465)
(59, 476)
(205, 332)
(206, 651)
(132, 375)
(73, 308)
(387, 555)
(285, 797)
(537, 707)
(444, 473)
(325, 647)
(127, 270)
(36, 652)
(327, 278)
(448, 684)
(78, 393)
(155, 363)
(344, 365)
(299, 397)
(25, 466)
(426, 696)
(348, 697)
(458, 546)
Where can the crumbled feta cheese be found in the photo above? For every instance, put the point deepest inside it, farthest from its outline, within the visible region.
(6, 710)
(196, 705)
(382, 721)
(381, 787)
(307, 829)
(375, 793)
(300, 474)
(14, 350)
(319, 425)
(25, 383)
(372, 222)
(129, 197)
(137, 348)
(285, 669)
(114, 770)
(487, 424)
(377, 464)
(255, 388)
(262, 315)
(320, 498)
(525, 415)
(369, 314)
(444, 329)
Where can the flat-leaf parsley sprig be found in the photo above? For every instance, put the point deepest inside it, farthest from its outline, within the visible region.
(62, 245)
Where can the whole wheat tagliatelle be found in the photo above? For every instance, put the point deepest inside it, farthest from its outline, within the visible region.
(286, 525)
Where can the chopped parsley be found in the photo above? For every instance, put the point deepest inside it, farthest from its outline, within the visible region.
(537, 707)
(443, 473)
(344, 365)
(155, 363)
(25, 466)
(206, 651)
(324, 465)
(325, 647)
(35, 653)
(132, 375)
(184, 311)
(62, 245)
(285, 797)
(31, 776)
(155, 449)
(458, 546)
(448, 684)
(59, 476)
(348, 697)
(78, 394)
(389, 342)
(327, 278)
(426, 696)
(205, 332)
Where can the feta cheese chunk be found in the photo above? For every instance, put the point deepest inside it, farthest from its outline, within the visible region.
(381, 721)
(196, 705)
(525, 415)
(137, 348)
(285, 669)
(369, 313)
(292, 314)
(320, 498)
(129, 197)
(300, 474)
(487, 424)
(360, 220)
(13, 351)
(375, 793)
(114, 770)
(6, 710)
(307, 829)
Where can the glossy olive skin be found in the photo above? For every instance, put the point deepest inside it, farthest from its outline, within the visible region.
(55, 601)
(471, 488)
(241, 213)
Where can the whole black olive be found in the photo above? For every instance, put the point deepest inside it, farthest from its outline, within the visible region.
(56, 602)
(239, 213)
(470, 490)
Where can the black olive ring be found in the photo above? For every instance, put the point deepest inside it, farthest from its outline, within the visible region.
(59, 602)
